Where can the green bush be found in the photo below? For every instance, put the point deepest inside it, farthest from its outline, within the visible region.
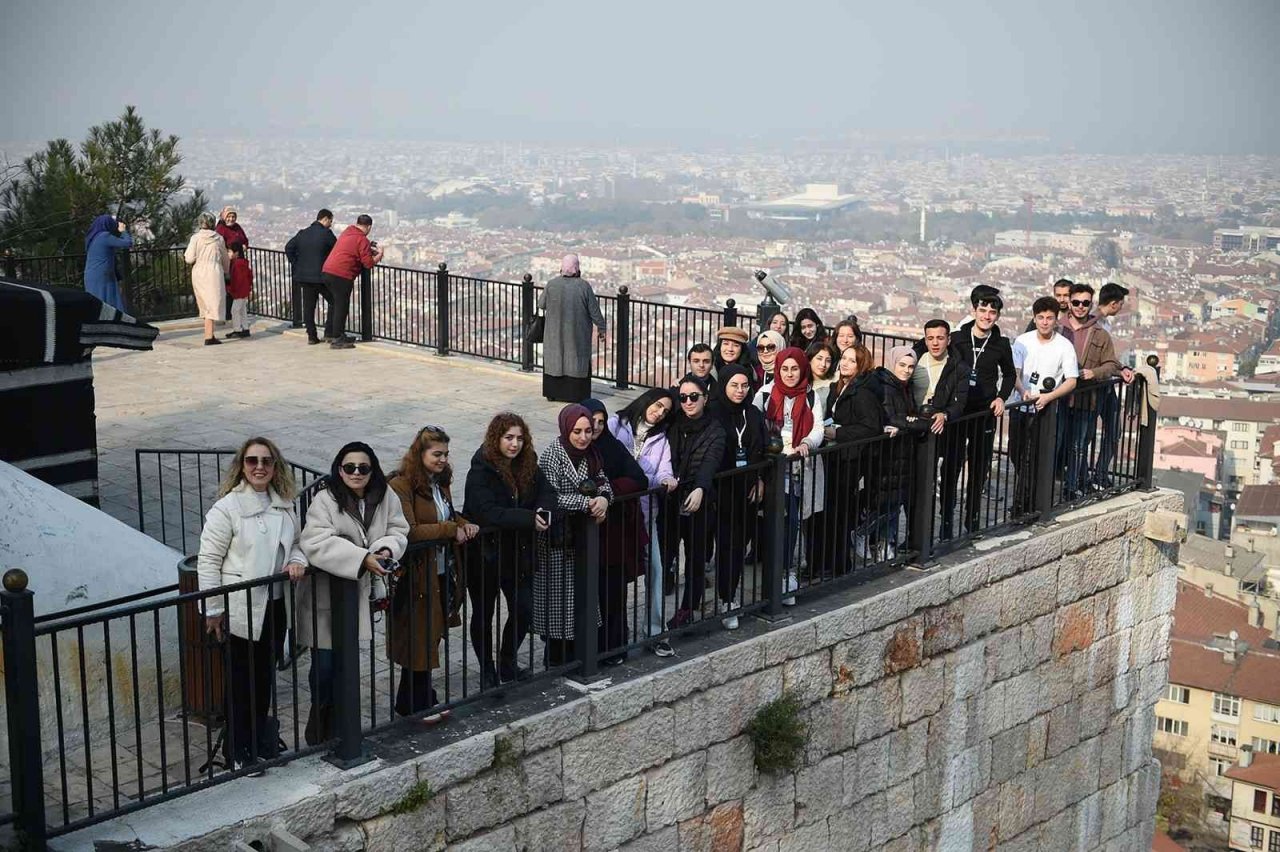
(778, 735)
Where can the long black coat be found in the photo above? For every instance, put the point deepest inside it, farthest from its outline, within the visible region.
(696, 457)
(857, 412)
(896, 470)
(307, 251)
(490, 502)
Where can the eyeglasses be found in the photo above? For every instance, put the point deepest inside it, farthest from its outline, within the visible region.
(259, 461)
(767, 347)
(357, 469)
(690, 397)
(1080, 303)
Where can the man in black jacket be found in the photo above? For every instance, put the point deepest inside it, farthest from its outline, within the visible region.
(991, 382)
(940, 387)
(307, 252)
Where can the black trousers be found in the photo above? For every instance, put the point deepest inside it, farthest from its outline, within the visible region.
(969, 442)
(736, 521)
(340, 302)
(694, 531)
(486, 579)
(311, 294)
(250, 729)
(614, 582)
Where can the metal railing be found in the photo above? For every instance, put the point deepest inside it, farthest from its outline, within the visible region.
(645, 344)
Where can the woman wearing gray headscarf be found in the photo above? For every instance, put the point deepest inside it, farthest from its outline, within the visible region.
(571, 309)
(210, 262)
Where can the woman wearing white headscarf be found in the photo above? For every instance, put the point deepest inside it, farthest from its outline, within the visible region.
(571, 309)
(210, 262)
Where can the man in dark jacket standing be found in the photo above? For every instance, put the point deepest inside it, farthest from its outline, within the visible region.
(940, 386)
(351, 254)
(991, 382)
(307, 251)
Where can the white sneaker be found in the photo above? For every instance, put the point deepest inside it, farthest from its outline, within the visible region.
(729, 622)
(860, 547)
(790, 586)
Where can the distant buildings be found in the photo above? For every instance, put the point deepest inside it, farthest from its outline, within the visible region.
(1255, 802)
(1247, 239)
(1078, 241)
(819, 201)
(1242, 424)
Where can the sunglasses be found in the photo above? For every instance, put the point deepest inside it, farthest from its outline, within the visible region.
(767, 347)
(690, 397)
(357, 469)
(259, 461)
(1079, 303)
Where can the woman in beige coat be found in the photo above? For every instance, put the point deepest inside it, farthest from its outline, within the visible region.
(353, 527)
(210, 262)
(251, 533)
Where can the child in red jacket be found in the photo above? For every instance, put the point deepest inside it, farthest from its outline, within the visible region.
(239, 287)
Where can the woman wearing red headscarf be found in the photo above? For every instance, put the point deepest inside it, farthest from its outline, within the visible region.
(574, 469)
(793, 412)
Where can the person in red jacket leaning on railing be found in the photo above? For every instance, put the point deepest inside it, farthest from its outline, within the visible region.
(352, 253)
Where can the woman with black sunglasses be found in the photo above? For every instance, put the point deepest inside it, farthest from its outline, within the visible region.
(697, 448)
(355, 530)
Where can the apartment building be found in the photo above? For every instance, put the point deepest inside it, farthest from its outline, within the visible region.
(1255, 803)
(1243, 422)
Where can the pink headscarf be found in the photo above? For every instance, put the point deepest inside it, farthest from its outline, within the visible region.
(569, 266)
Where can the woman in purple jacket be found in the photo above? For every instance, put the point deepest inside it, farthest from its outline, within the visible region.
(641, 427)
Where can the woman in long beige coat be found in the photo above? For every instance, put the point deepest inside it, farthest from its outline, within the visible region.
(351, 525)
(210, 262)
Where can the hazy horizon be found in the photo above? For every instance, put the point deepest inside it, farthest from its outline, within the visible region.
(1181, 76)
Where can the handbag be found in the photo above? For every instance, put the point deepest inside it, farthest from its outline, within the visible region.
(537, 328)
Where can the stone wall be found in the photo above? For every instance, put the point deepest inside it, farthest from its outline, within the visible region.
(999, 702)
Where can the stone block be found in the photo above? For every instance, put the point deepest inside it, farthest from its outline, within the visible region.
(866, 770)
(1017, 805)
(1037, 740)
(955, 831)
(730, 770)
(885, 609)
(899, 814)
(807, 838)
(375, 792)
(1088, 827)
(929, 591)
(489, 799)
(1137, 741)
(966, 577)
(1115, 805)
(1073, 628)
(614, 815)
(808, 678)
(423, 828)
(498, 840)
(1095, 711)
(1023, 696)
(620, 703)
(981, 612)
(820, 791)
(837, 626)
(677, 790)
(665, 840)
(680, 680)
(722, 712)
(543, 776)
(797, 640)
(1074, 580)
(923, 691)
(1041, 549)
(943, 629)
(879, 709)
(908, 751)
(831, 724)
(555, 828)
(1004, 655)
(769, 809)
(1064, 728)
(1057, 834)
(857, 662)
(600, 758)
(850, 830)
(1028, 595)
(931, 794)
(986, 820)
(1008, 753)
(965, 669)
(967, 774)
(1062, 681)
(464, 759)
(736, 661)
(719, 830)
(553, 726)
(991, 702)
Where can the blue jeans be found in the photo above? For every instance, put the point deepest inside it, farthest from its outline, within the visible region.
(1075, 427)
(1109, 414)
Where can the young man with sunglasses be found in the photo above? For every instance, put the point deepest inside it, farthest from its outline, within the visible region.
(1096, 355)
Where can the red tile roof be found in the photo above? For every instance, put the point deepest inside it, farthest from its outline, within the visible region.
(1263, 772)
(1161, 842)
(1254, 675)
(1259, 501)
(1199, 616)
(1220, 409)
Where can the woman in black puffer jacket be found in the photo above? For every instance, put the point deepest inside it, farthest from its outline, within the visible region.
(855, 411)
(895, 481)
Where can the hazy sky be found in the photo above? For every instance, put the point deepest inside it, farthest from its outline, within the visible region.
(1101, 75)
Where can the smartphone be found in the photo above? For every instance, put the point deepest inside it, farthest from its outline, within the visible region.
(545, 514)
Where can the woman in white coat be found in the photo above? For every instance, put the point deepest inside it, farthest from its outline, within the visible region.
(351, 525)
(210, 262)
(251, 533)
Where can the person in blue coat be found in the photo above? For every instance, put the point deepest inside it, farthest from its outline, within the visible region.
(106, 234)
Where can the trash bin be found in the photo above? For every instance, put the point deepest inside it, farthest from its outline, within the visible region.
(202, 655)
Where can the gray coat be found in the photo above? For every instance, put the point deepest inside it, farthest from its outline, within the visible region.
(571, 308)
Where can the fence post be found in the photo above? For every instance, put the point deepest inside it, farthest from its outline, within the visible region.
(731, 313)
(344, 598)
(924, 493)
(366, 307)
(622, 338)
(10, 266)
(775, 533)
(1045, 461)
(26, 767)
(586, 596)
(526, 319)
(1146, 435)
(442, 309)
